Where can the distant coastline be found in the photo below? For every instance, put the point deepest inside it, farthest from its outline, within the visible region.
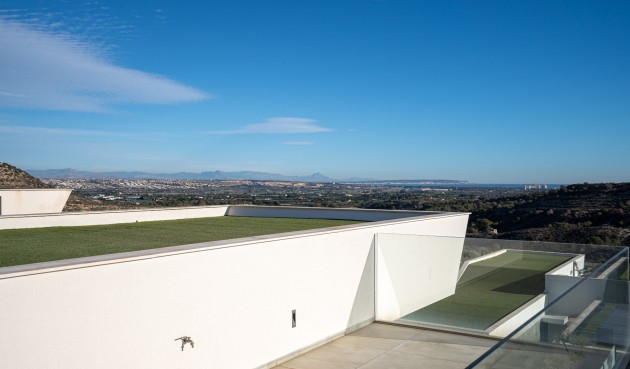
(69, 173)
(482, 185)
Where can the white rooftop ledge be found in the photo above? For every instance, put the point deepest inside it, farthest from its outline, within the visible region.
(32, 201)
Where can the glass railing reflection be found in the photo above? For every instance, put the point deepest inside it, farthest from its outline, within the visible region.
(554, 305)
(584, 327)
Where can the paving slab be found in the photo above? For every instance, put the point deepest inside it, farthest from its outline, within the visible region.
(379, 330)
(305, 362)
(387, 346)
(374, 342)
(400, 360)
(344, 353)
(445, 351)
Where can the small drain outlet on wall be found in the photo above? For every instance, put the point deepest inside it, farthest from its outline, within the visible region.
(293, 319)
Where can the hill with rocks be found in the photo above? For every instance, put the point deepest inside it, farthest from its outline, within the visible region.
(15, 178)
(593, 213)
(586, 213)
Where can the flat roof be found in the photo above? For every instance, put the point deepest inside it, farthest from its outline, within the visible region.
(104, 241)
(37, 245)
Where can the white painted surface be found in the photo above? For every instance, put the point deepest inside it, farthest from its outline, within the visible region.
(233, 299)
(110, 217)
(145, 215)
(414, 271)
(517, 318)
(32, 201)
(573, 303)
(568, 268)
(464, 266)
(555, 319)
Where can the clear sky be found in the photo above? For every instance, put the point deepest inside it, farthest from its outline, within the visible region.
(486, 91)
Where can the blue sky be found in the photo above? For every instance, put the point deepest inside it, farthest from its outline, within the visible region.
(485, 91)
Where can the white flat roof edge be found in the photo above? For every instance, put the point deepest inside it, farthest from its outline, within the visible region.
(92, 261)
(79, 213)
(118, 211)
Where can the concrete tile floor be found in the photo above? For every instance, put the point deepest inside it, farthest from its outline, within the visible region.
(385, 346)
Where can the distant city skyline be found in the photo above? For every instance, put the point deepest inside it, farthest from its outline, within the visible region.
(484, 91)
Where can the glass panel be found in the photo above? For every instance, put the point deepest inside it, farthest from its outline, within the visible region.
(413, 271)
(552, 305)
(585, 327)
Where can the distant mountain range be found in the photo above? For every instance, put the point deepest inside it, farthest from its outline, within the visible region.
(70, 173)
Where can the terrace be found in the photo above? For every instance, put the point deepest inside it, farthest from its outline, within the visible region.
(491, 289)
(332, 288)
(585, 325)
(321, 279)
(387, 346)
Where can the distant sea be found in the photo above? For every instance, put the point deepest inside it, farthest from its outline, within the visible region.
(474, 185)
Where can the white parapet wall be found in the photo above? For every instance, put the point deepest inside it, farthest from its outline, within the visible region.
(234, 298)
(518, 317)
(146, 215)
(32, 201)
(571, 268)
(580, 298)
(110, 217)
(465, 265)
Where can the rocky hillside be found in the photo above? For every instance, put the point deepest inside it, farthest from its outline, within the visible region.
(77, 202)
(15, 178)
(12, 177)
(586, 213)
(593, 213)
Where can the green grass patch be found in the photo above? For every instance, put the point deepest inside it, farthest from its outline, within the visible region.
(493, 288)
(624, 274)
(34, 245)
(589, 327)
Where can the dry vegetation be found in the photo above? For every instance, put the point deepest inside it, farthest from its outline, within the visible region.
(15, 178)
(12, 177)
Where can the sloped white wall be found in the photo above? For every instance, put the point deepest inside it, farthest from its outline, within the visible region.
(32, 201)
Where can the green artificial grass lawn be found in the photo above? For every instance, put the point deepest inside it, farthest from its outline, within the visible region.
(624, 275)
(499, 286)
(589, 327)
(25, 246)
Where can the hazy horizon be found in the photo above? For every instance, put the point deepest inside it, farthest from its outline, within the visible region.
(358, 179)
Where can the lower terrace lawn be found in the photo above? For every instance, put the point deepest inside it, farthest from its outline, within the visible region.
(34, 245)
(493, 288)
